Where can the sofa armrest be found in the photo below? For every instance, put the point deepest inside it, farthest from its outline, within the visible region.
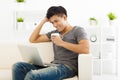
(85, 67)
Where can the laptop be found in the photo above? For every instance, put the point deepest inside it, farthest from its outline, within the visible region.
(31, 55)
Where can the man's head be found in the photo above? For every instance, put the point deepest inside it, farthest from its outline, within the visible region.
(56, 10)
(57, 15)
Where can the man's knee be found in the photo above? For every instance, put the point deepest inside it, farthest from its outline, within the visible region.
(16, 66)
(31, 76)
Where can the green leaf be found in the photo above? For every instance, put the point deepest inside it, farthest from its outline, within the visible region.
(20, 19)
(20, 0)
(92, 18)
(111, 16)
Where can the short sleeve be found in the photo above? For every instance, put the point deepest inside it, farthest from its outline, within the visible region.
(80, 34)
(49, 33)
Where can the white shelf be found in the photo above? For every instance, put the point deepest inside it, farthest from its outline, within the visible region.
(104, 49)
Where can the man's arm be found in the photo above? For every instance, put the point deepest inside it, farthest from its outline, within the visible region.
(81, 47)
(36, 37)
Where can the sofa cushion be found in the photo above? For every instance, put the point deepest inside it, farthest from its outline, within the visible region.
(5, 74)
(9, 54)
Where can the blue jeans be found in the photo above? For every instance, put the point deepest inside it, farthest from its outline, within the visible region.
(26, 71)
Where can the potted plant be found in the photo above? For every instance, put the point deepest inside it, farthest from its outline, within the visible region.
(20, 19)
(19, 1)
(20, 23)
(111, 17)
(93, 21)
(20, 4)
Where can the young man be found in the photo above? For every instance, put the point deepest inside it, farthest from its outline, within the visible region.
(71, 42)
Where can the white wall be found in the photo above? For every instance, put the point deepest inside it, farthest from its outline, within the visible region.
(79, 11)
(6, 20)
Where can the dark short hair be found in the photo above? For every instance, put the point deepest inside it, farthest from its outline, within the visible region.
(56, 10)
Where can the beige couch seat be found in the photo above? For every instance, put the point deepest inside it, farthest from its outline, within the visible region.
(9, 54)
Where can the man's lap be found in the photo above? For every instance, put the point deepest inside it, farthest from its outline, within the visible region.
(56, 72)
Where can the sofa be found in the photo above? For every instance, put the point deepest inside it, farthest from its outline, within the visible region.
(10, 54)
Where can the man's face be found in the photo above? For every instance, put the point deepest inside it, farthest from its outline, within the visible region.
(59, 22)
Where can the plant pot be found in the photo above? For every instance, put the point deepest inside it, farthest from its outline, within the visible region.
(20, 26)
(93, 22)
(111, 22)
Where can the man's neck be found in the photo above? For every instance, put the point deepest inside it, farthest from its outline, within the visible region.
(67, 29)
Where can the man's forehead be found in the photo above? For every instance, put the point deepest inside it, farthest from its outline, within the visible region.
(53, 18)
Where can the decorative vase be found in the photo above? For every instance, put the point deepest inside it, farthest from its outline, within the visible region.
(93, 22)
(20, 26)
